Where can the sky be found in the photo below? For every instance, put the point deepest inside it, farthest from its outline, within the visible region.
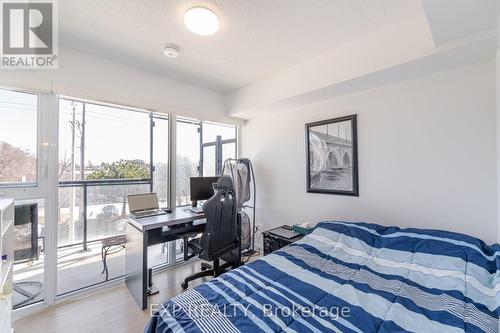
(110, 134)
(18, 119)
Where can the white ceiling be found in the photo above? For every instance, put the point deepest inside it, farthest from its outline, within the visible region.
(450, 20)
(257, 37)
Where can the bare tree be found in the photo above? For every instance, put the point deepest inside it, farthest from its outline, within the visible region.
(64, 165)
(16, 164)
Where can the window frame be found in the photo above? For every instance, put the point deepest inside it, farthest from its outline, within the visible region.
(218, 143)
(85, 183)
(45, 189)
(47, 184)
(39, 139)
(168, 118)
(191, 121)
(151, 116)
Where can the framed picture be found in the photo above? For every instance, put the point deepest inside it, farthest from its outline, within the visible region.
(332, 156)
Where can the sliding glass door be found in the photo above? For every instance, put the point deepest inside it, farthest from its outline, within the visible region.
(24, 143)
(18, 170)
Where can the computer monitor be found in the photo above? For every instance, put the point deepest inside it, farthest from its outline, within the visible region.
(201, 188)
(142, 202)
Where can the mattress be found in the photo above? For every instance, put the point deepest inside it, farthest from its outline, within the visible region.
(350, 277)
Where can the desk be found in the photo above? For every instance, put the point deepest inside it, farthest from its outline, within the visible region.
(149, 231)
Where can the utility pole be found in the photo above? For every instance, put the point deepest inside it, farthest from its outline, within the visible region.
(73, 189)
(82, 177)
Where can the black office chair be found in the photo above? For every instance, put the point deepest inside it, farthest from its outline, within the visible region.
(222, 232)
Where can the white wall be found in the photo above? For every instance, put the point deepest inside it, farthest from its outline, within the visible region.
(383, 48)
(427, 156)
(498, 126)
(84, 75)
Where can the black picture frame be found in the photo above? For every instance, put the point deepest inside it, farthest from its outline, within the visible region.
(332, 160)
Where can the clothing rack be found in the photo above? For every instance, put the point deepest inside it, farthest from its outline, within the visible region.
(230, 163)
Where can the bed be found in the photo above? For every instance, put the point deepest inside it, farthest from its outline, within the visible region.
(350, 277)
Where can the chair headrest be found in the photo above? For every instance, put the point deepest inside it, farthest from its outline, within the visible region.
(224, 183)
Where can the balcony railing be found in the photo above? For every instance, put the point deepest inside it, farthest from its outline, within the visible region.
(100, 201)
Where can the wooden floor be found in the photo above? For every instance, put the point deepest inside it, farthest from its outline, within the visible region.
(111, 311)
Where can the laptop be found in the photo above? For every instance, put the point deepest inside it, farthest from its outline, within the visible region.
(144, 205)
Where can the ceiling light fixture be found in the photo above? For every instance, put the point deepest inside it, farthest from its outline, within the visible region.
(201, 21)
(171, 51)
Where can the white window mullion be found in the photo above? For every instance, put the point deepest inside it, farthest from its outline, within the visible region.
(49, 175)
(172, 180)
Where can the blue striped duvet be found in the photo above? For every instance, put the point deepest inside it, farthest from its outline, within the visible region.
(350, 277)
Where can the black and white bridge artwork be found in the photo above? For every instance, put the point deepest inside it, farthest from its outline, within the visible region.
(332, 160)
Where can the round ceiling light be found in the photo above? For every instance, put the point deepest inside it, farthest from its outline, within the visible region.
(201, 21)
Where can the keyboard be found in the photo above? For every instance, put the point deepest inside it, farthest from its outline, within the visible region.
(196, 210)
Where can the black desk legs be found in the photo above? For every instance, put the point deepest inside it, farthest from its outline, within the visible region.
(138, 278)
(151, 288)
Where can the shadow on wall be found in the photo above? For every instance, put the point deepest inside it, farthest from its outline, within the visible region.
(265, 199)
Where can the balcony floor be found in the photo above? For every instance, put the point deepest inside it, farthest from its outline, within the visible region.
(78, 269)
